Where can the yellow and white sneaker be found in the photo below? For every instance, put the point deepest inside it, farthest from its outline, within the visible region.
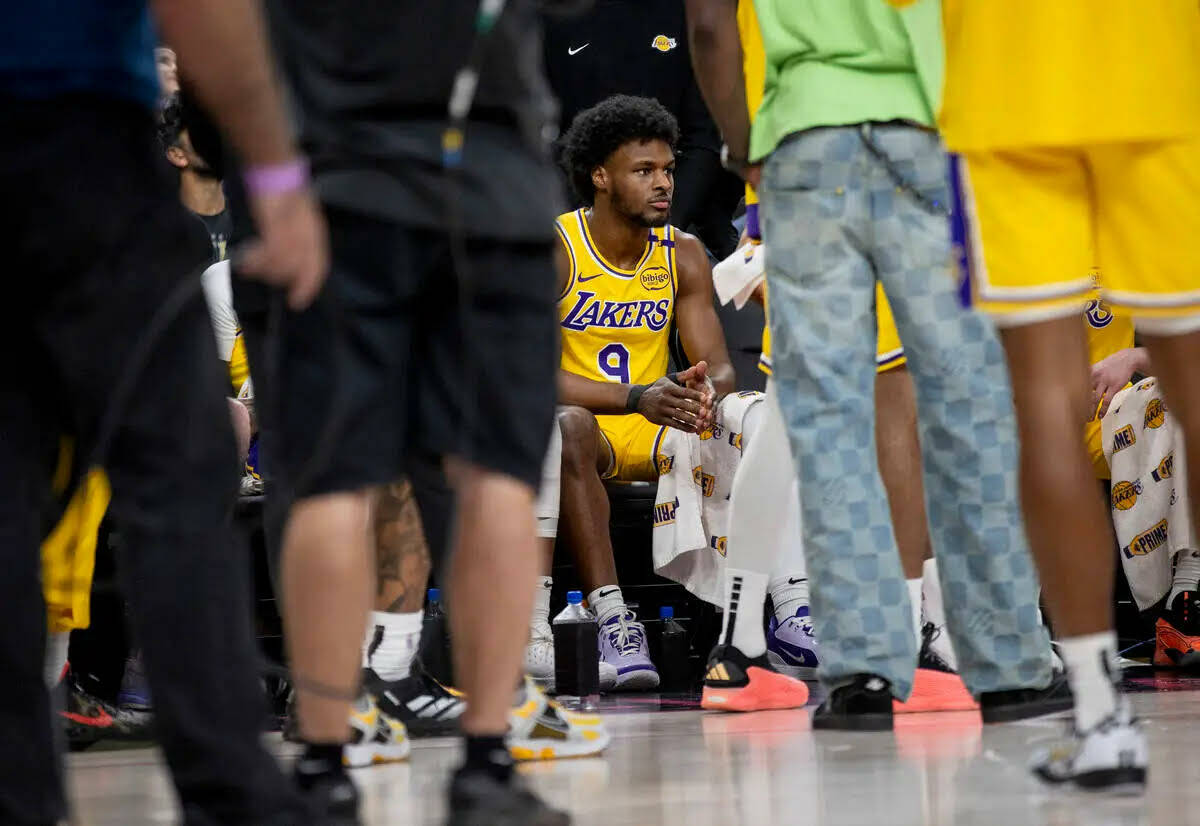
(375, 737)
(539, 729)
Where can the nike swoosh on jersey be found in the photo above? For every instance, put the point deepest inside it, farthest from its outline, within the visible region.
(574, 52)
(583, 278)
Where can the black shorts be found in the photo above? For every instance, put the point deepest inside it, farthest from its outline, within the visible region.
(395, 359)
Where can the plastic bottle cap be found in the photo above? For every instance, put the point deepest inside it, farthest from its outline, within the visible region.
(666, 612)
(574, 597)
(435, 594)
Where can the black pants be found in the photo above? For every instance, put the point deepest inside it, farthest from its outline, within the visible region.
(96, 242)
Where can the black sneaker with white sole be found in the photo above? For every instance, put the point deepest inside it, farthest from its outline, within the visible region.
(1024, 703)
(1110, 757)
(426, 707)
(863, 704)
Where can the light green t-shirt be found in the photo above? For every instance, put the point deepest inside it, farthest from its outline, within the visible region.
(837, 62)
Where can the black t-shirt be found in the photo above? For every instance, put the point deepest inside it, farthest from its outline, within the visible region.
(370, 82)
(220, 229)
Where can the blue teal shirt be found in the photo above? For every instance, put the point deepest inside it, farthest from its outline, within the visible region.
(55, 47)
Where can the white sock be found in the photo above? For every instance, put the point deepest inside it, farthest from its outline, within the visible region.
(606, 602)
(1187, 574)
(931, 590)
(742, 624)
(1091, 664)
(541, 601)
(788, 593)
(914, 601)
(56, 656)
(391, 643)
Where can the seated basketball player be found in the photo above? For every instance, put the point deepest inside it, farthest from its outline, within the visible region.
(627, 275)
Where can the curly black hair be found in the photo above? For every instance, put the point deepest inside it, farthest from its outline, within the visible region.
(597, 132)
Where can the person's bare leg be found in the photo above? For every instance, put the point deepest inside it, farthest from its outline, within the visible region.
(242, 431)
(899, 451)
(402, 566)
(1069, 528)
(583, 506)
(327, 591)
(493, 564)
(1176, 361)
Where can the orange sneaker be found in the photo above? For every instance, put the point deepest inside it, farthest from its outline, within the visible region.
(936, 691)
(1177, 633)
(735, 682)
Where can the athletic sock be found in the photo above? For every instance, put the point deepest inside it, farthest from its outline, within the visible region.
(541, 601)
(319, 760)
(742, 624)
(931, 590)
(914, 602)
(488, 754)
(1091, 664)
(1187, 574)
(788, 593)
(391, 643)
(56, 657)
(606, 602)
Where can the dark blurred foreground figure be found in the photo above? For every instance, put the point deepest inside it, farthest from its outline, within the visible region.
(101, 242)
(435, 334)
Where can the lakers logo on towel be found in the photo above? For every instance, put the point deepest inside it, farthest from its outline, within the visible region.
(1125, 494)
(706, 481)
(1151, 540)
(1165, 468)
(1124, 438)
(664, 513)
(735, 440)
(718, 543)
(714, 432)
(1156, 414)
(665, 465)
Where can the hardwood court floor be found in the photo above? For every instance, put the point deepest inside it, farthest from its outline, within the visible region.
(682, 766)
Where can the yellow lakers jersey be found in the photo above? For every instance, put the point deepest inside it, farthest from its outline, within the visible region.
(754, 66)
(1069, 72)
(615, 323)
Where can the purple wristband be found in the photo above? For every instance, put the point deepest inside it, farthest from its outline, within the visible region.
(276, 179)
(752, 228)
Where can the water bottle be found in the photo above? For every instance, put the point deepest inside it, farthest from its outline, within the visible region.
(576, 655)
(674, 665)
(435, 640)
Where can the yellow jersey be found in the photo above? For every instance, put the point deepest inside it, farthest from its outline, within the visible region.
(615, 323)
(1069, 72)
(754, 66)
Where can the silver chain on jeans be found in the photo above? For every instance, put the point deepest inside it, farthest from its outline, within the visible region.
(930, 205)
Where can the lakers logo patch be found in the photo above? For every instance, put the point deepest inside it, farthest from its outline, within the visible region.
(735, 440)
(718, 543)
(663, 43)
(1125, 494)
(1156, 414)
(1098, 315)
(655, 278)
(664, 512)
(665, 465)
(1147, 542)
(1165, 468)
(705, 481)
(714, 432)
(1124, 438)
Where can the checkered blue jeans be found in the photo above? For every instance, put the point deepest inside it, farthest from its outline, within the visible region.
(838, 217)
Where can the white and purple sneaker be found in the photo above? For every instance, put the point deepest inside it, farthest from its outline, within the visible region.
(792, 647)
(623, 646)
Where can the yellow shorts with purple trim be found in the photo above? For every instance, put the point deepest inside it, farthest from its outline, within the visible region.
(889, 353)
(1030, 223)
(634, 442)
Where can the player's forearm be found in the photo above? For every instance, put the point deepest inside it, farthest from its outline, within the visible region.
(223, 55)
(717, 62)
(1141, 361)
(723, 377)
(600, 397)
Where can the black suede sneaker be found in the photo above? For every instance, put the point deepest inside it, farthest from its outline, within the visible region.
(478, 799)
(864, 704)
(1023, 703)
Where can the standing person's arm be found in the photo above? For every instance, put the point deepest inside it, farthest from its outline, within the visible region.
(223, 52)
(717, 61)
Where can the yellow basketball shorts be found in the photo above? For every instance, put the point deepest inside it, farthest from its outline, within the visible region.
(69, 555)
(1031, 223)
(634, 443)
(889, 353)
